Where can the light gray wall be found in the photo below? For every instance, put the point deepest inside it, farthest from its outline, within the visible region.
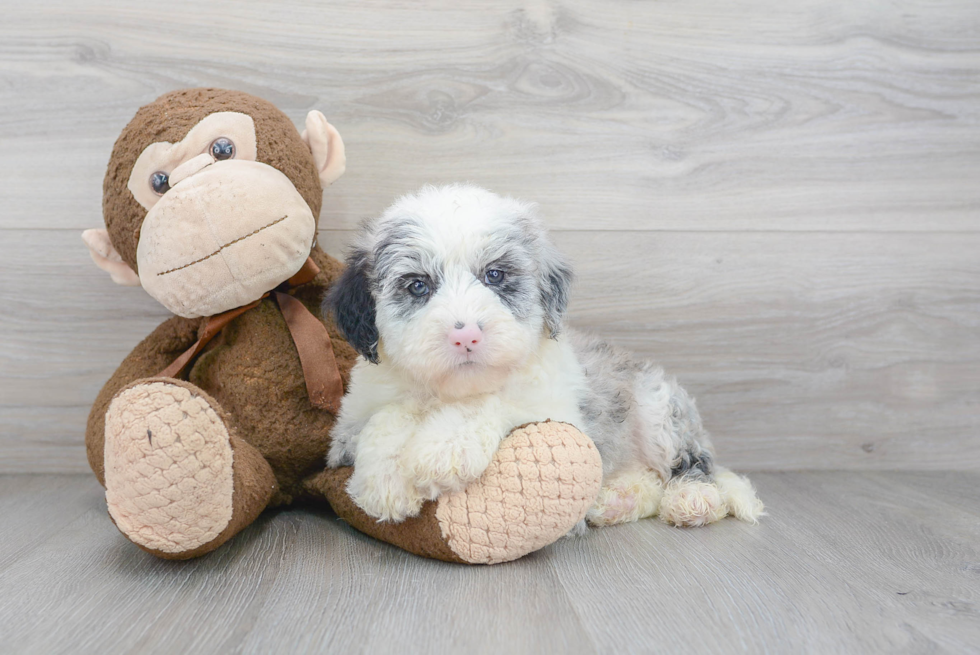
(779, 201)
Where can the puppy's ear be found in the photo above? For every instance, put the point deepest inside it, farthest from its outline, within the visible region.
(353, 307)
(556, 283)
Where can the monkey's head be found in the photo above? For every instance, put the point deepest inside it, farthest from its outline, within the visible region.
(211, 199)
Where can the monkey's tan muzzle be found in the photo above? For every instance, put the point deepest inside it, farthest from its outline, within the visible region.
(222, 237)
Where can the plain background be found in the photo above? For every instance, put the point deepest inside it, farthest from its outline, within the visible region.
(779, 202)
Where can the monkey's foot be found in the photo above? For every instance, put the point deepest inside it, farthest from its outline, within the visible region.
(178, 482)
(539, 485)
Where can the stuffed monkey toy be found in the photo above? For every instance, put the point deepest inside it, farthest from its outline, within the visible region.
(211, 202)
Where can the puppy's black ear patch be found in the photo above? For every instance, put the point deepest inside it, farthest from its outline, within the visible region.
(353, 307)
(556, 285)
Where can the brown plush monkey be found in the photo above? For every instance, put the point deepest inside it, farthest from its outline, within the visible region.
(211, 202)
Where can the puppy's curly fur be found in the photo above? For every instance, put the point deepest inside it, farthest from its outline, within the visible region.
(455, 298)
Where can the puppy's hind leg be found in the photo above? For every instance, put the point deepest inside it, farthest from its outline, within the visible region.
(628, 495)
(672, 439)
(691, 497)
(692, 500)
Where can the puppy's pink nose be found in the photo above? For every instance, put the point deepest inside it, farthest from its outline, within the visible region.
(465, 339)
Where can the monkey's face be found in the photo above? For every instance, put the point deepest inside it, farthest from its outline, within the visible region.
(211, 199)
(221, 228)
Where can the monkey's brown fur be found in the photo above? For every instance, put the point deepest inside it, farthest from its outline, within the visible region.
(251, 369)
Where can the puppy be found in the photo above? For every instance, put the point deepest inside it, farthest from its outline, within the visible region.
(455, 298)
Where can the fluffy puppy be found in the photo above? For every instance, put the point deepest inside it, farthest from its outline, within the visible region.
(455, 298)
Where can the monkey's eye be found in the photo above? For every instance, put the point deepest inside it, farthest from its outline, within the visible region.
(493, 276)
(418, 288)
(222, 148)
(160, 183)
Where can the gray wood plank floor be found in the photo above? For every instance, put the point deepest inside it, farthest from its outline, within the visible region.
(844, 562)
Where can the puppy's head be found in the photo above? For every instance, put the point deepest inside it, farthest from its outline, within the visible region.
(455, 285)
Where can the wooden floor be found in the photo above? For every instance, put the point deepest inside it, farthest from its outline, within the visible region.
(844, 562)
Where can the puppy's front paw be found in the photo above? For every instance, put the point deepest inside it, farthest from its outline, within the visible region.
(446, 465)
(384, 495)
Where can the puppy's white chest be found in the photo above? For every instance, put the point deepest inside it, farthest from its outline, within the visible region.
(550, 386)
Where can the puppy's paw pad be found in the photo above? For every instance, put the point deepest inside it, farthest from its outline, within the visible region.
(447, 466)
(630, 496)
(384, 497)
(691, 503)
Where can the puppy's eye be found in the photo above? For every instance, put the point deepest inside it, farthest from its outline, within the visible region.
(160, 183)
(418, 288)
(222, 148)
(493, 276)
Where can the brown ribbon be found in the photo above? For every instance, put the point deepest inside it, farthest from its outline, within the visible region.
(323, 383)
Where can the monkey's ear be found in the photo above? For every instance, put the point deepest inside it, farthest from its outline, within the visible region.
(108, 259)
(327, 147)
(353, 307)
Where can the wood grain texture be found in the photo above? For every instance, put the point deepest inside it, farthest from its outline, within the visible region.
(877, 562)
(668, 115)
(776, 201)
(859, 351)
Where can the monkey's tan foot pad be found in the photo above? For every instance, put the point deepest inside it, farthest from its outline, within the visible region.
(540, 484)
(168, 467)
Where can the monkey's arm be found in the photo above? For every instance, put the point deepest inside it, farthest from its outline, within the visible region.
(152, 355)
